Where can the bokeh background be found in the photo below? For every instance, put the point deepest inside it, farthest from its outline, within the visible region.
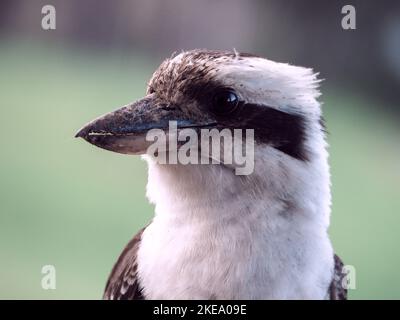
(71, 205)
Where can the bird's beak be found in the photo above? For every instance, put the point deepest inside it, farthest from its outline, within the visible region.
(124, 130)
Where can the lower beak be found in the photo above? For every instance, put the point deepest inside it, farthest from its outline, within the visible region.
(124, 130)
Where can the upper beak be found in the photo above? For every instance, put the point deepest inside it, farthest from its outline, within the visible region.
(124, 130)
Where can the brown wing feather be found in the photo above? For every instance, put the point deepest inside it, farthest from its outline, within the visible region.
(123, 282)
(336, 289)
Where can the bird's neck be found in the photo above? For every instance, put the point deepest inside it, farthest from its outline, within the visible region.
(279, 187)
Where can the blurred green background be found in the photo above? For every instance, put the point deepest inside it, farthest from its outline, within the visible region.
(66, 203)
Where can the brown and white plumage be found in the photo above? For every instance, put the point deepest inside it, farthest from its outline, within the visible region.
(124, 283)
(216, 235)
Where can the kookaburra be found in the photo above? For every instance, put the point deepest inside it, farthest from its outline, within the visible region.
(215, 234)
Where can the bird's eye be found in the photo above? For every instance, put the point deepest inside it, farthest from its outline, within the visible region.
(225, 102)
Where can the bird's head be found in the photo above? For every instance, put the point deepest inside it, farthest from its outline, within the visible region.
(203, 89)
(222, 90)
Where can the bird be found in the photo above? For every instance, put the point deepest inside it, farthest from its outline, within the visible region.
(215, 234)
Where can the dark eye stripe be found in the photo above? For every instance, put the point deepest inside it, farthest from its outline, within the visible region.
(284, 131)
